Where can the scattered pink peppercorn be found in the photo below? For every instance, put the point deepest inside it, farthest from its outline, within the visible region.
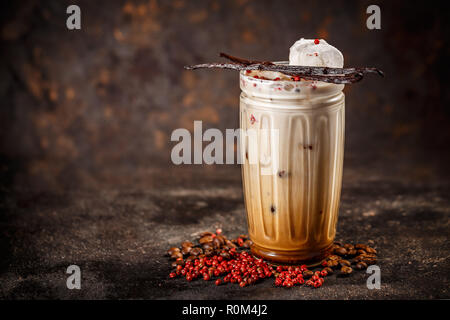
(316, 41)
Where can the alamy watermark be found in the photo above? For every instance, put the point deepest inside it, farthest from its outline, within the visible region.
(374, 280)
(374, 20)
(257, 146)
(74, 280)
(73, 22)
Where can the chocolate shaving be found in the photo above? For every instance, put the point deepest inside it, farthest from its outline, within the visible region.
(325, 74)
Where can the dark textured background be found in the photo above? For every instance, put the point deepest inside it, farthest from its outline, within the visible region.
(86, 118)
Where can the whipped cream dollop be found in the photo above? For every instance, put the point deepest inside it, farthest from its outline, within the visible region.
(315, 53)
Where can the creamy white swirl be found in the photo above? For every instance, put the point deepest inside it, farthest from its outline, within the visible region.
(315, 53)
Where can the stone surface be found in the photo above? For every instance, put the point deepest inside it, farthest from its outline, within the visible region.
(119, 238)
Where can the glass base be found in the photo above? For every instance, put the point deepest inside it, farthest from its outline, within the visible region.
(308, 258)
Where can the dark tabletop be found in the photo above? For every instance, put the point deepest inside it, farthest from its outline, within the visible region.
(118, 237)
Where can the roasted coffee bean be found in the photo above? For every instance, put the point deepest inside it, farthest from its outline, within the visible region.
(333, 257)
(365, 256)
(360, 246)
(216, 243)
(208, 246)
(186, 250)
(361, 251)
(230, 244)
(344, 263)
(371, 250)
(248, 243)
(334, 246)
(206, 233)
(361, 265)
(187, 244)
(243, 236)
(205, 239)
(308, 273)
(332, 263)
(172, 250)
(196, 251)
(368, 259)
(340, 251)
(209, 252)
(352, 252)
(345, 270)
(176, 255)
(337, 244)
(221, 239)
(349, 246)
(328, 270)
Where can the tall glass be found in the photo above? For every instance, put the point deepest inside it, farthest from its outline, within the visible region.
(292, 148)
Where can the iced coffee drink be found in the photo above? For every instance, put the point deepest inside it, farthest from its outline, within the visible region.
(292, 150)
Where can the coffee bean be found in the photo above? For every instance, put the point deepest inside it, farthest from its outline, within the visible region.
(187, 244)
(334, 257)
(209, 252)
(172, 250)
(361, 251)
(248, 243)
(352, 252)
(205, 239)
(371, 250)
(368, 259)
(230, 244)
(216, 243)
(360, 246)
(196, 251)
(308, 274)
(221, 239)
(365, 256)
(206, 233)
(176, 255)
(349, 246)
(345, 270)
(208, 246)
(186, 250)
(340, 251)
(361, 265)
(332, 263)
(344, 263)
